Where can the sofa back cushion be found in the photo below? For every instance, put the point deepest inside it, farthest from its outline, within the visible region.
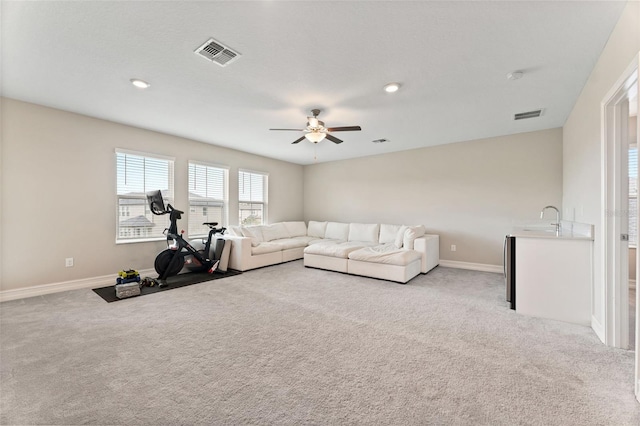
(388, 233)
(253, 232)
(296, 229)
(275, 231)
(235, 231)
(316, 229)
(337, 231)
(411, 234)
(366, 232)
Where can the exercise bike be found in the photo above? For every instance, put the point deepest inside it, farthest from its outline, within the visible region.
(180, 253)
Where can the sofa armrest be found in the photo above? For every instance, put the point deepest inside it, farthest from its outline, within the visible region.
(429, 246)
(240, 252)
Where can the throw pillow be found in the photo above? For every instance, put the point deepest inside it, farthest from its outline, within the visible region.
(400, 236)
(411, 234)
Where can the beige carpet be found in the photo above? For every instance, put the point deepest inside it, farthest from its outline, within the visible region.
(289, 345)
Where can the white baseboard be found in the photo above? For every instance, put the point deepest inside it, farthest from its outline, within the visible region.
(39, 290)
(598, 328)
(483, 267)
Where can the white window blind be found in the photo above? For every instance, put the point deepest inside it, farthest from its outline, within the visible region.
(207, 197)
(252, 197)
(633, 195)
(136, 175)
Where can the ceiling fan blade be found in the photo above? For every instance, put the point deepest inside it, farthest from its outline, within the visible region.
(297, 140)
(294, 130)
(333, 138)
(344, 129)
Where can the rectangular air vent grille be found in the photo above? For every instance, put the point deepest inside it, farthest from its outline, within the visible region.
(215, 51)
(528, 114)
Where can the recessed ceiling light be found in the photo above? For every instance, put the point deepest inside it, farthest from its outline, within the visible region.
(392, 87)
(515, 75)
(140, 84)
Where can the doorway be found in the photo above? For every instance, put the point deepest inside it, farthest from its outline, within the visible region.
(632, 150)
(619, 215)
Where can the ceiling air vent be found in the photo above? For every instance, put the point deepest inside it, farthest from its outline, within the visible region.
(380, 140)
(528, 114)
(217, 52)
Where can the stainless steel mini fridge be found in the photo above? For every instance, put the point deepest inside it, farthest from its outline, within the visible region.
(510, 269)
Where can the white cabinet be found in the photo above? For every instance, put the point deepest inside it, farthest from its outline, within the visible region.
(553, 278)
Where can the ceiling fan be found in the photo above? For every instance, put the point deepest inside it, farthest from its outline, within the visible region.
(315, 130)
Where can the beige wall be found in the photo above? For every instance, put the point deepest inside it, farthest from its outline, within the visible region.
(58, 192)
(470, 193)
(582, 139)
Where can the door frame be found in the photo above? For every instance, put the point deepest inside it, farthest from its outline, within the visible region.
(615, 288)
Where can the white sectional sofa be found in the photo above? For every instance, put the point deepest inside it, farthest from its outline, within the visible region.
(390, 252)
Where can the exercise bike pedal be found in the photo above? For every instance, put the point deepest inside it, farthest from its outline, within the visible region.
(214, 267)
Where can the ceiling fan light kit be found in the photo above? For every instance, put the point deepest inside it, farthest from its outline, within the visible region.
(315, 137)
(316, 132)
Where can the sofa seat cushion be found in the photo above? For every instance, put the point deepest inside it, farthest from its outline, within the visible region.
(309, 240)
(324, 241)
(385, 253)
(289, 243)
(336, 249)
(264, 248)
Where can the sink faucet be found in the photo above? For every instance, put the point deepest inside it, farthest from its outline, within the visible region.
(557, 224)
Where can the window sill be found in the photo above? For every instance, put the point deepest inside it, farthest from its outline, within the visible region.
(140, 240)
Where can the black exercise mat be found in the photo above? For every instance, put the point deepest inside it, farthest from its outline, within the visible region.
(109, 293)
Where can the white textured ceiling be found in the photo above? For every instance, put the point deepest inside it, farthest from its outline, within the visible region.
(450, 57)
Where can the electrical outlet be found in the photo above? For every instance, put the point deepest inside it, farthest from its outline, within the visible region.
(68, 262)
(453, 247)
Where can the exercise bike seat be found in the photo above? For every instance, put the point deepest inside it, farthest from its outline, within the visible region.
(210, 224)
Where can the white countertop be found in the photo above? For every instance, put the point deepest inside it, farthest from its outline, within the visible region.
(568, 231)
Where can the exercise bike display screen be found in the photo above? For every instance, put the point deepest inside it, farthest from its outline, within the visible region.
(156, 203)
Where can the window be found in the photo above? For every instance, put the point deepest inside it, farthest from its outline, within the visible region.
(633, 195)
(252, 197)
(207, 197)
(138, 174)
